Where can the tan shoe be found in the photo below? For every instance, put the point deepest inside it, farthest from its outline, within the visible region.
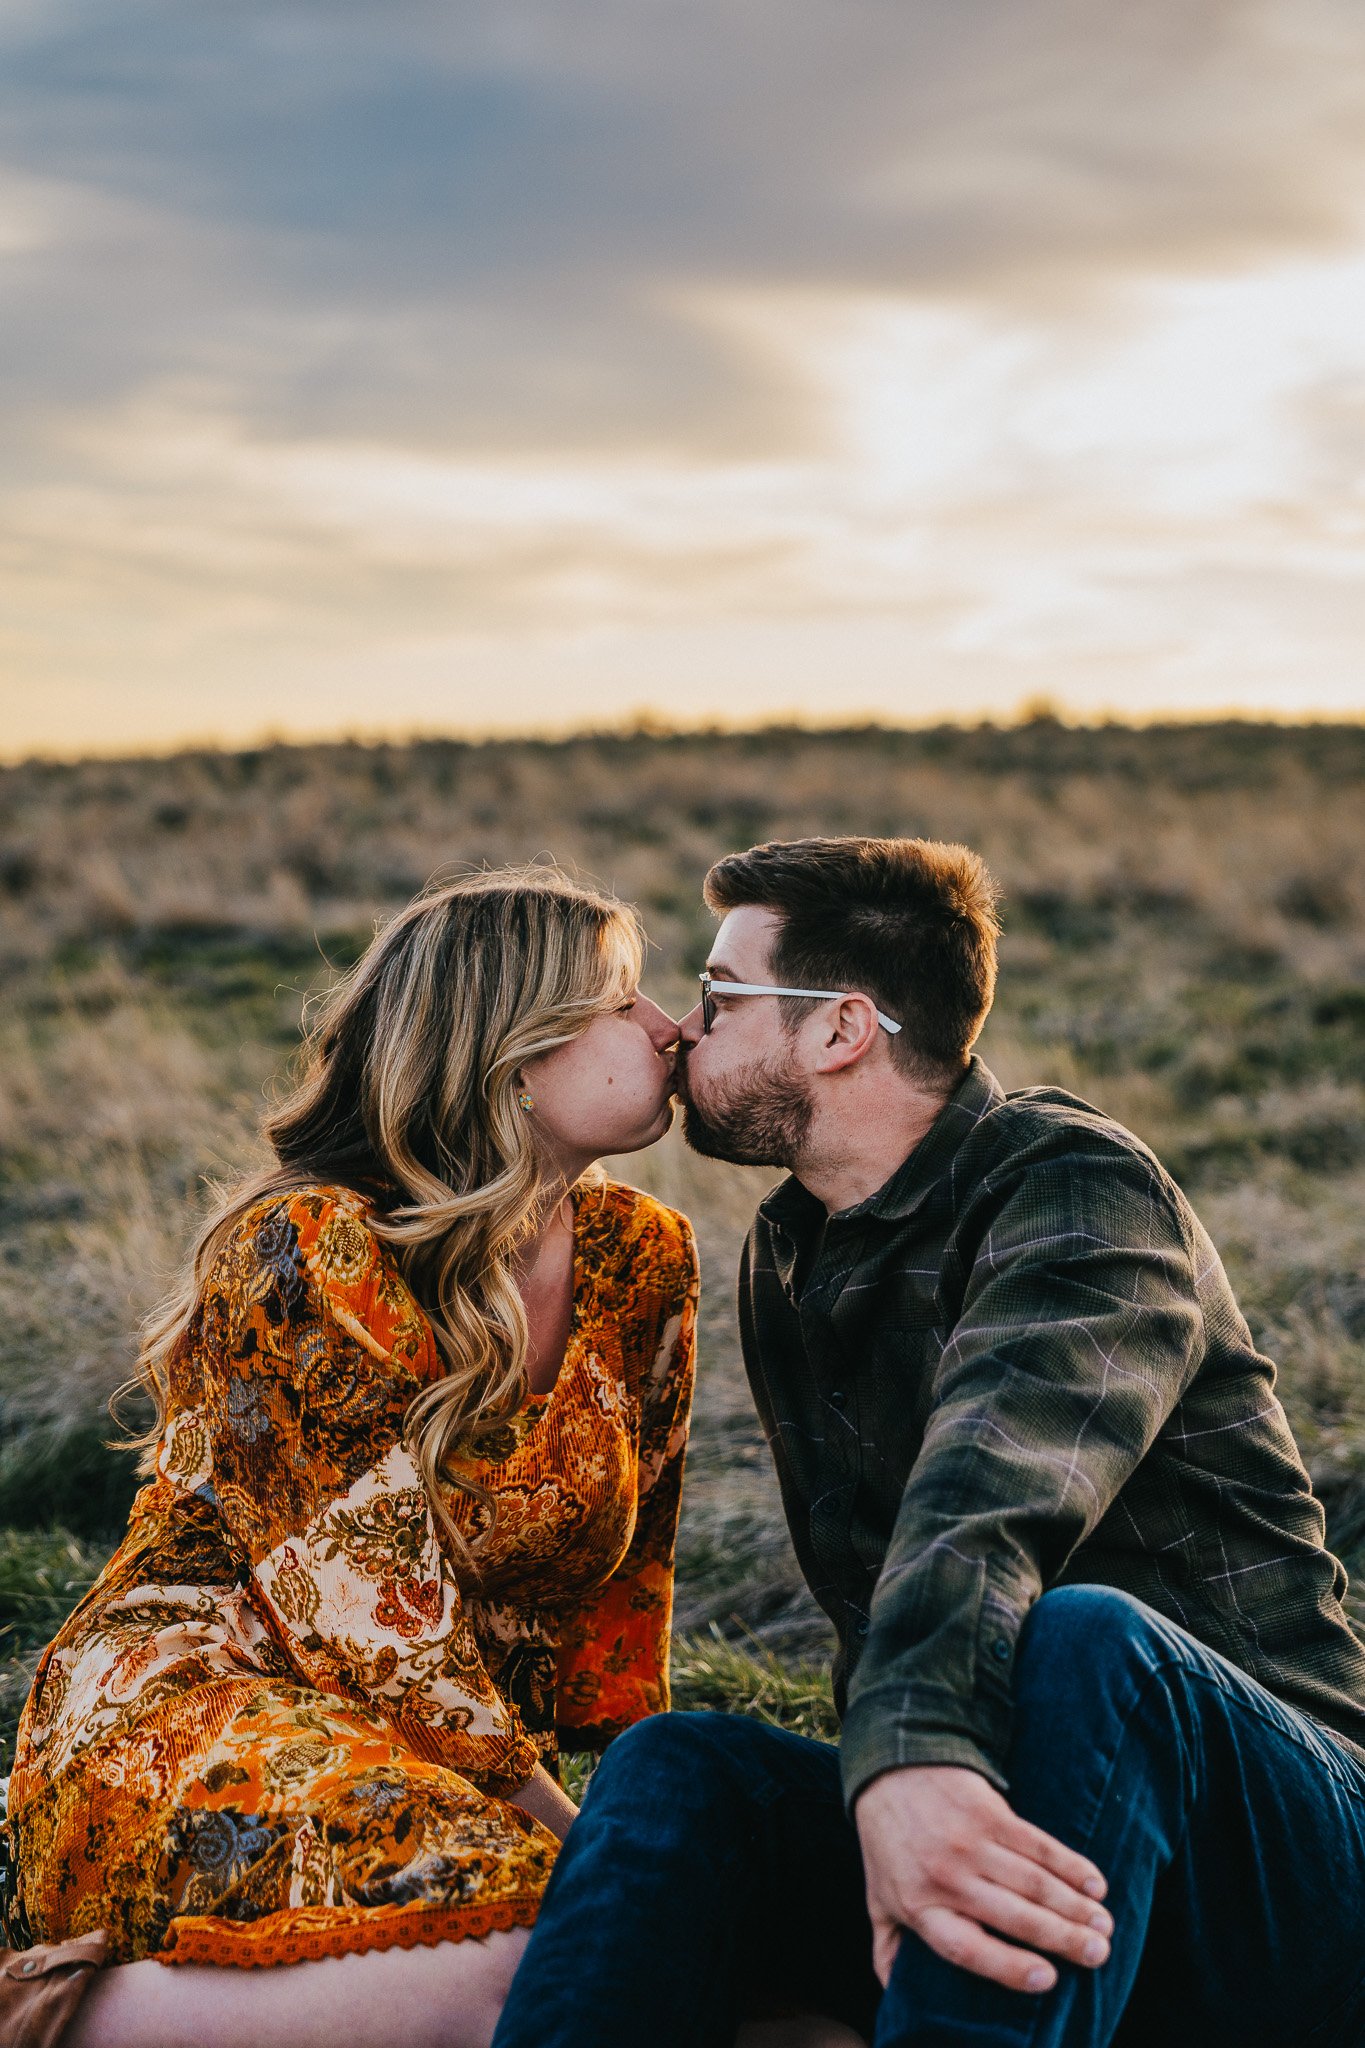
(41, 1987)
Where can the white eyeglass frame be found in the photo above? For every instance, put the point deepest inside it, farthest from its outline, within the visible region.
(710, 987)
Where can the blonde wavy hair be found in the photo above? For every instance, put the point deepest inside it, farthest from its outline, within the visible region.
(407, 1092)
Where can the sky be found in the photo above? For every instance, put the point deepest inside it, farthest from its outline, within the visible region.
(369, 366)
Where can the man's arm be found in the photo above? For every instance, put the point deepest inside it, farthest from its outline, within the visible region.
(1080, 1330)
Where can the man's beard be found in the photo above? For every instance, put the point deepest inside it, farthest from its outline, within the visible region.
(761, 1119)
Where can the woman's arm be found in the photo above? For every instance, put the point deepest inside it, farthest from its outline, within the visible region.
(317, 1350)
(546, 1802)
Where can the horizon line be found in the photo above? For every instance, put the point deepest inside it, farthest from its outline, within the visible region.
(647, 724)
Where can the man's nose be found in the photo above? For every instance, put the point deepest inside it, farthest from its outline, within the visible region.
(689, 1027)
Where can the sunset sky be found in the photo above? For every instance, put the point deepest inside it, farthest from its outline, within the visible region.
(377, 366)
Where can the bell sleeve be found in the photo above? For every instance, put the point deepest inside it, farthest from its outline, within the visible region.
(321, 1349)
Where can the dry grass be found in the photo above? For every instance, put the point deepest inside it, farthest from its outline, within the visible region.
(1185, 913)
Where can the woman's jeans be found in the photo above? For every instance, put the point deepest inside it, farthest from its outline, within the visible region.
(713, 1872)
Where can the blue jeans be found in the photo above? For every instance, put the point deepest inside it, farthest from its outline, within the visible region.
(713, 1873)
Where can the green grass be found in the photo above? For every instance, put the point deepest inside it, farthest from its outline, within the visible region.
(713, 1673)
(43, 1574)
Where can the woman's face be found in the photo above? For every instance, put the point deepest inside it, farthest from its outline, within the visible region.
(610, 1090)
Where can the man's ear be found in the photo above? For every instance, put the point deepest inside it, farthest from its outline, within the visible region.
(849, 1036)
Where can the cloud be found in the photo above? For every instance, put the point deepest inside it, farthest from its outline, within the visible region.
(1109, 513)
(899, 357)
(464, 223)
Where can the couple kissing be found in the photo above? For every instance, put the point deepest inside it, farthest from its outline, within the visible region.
(289, 1774)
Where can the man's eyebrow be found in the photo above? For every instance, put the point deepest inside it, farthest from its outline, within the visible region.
(718, 971)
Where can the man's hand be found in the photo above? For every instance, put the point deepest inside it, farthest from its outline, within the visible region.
(944, 1854)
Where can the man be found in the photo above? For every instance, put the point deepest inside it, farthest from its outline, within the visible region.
(1091, 1645)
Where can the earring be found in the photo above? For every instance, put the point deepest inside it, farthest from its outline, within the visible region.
(525, 1101)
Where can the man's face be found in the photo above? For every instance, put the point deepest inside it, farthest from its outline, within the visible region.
(745, 1096)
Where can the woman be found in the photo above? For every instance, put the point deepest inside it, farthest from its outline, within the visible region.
(422, 1405)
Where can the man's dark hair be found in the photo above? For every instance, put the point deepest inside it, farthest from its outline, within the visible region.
(910, 922)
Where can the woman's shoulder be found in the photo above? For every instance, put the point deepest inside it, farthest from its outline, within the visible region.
(308, 1206)
(320, 1228)
(316, 1243)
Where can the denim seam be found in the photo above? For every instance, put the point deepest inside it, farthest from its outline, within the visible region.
(1031, 2038)
(1338, 1767)
(1154, 1671)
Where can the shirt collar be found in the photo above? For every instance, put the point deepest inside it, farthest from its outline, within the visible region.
(794, 1207)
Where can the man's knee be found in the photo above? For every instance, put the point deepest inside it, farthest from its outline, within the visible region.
(1097, 1675)
(659, 1742)
(1089, 1631)
(1078, 1643)
(690, 1753)
(697, 1763)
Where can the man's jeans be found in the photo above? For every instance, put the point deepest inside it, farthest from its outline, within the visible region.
(713, 1873)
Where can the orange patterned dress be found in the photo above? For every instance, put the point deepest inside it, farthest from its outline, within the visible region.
(276, 1729)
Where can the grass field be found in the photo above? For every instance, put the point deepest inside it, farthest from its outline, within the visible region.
(1185, 945)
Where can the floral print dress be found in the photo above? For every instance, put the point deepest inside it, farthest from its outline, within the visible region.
(276, 1728)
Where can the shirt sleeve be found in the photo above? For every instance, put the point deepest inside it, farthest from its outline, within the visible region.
(303, 1418)
(1079, 1331)
(613, 1656)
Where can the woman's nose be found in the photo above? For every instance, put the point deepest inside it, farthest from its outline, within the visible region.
(662, 1029)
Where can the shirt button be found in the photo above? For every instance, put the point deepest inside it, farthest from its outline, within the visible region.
(838, 1398)
(28, 1966)
(862, 1628)
(1000, 1649)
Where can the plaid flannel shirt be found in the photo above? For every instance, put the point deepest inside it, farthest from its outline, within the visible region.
(1019, 1365)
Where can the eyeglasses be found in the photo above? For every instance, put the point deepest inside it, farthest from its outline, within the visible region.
(755, 988)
